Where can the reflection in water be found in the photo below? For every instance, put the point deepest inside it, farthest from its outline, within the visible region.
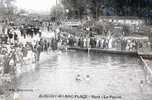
(82, 73)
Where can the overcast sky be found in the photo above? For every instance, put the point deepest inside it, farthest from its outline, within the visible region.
(41, 6)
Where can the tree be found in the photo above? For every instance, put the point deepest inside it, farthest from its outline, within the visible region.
(7, 9)
(78, 8)
(96, 8)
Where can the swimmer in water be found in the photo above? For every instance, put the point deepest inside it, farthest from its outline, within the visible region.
(78, 77)
(87, 77)
(142, 83)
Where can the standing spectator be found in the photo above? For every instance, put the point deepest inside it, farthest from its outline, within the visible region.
(97, 43)
(85, 42)
(54, 44)
(15, 37)
(38, 51)
(88, 42)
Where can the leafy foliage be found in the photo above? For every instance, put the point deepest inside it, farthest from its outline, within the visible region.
(95, 8)
(7, 9)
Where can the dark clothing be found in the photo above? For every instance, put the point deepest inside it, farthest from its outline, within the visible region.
(46, 46)
(71, 42)
(123, 45)
(15, 36)
(10, 35)
(38, 52)
(24, 50)
(39, 48)
(92, 43)
(79, 42)
(54, 44)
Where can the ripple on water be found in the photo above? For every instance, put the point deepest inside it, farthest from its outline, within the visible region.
(108, 74)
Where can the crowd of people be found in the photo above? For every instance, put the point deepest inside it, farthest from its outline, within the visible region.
(86, 41)
(13, 50)
(18, 50)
